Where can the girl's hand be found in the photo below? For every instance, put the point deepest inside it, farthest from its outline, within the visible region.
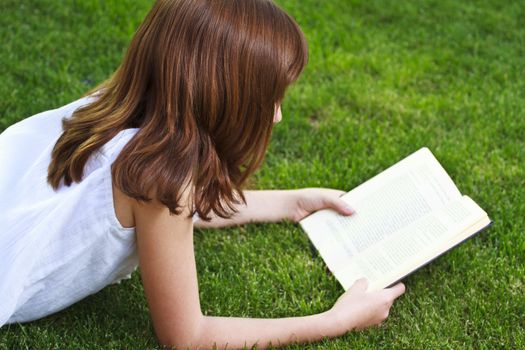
(358, 309)
(308, 200)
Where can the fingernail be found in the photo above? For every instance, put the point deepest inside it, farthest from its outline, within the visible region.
(349, 209)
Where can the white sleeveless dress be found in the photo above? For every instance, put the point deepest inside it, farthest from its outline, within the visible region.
(56, 248)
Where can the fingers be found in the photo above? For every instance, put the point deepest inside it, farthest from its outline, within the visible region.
(339, 193)
(339, 205)
(331, 191)
(397, 290)
(361, 284)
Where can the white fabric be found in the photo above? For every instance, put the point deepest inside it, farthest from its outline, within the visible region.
(56, 247)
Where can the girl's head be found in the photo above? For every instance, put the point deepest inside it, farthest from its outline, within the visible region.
(202, 79)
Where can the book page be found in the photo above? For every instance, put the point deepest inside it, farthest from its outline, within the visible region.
(414, 245)
(430, 171)
(400, 195)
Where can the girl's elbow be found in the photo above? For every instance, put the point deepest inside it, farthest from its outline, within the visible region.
(188, 337)
(179, 342)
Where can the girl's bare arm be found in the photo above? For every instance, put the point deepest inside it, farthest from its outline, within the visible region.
(278, 205)
(169, 276)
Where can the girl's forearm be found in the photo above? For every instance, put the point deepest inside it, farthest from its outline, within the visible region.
(237, 333)
(261, 206)
(266, 206)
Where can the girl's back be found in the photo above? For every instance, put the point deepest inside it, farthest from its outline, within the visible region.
(57, 247)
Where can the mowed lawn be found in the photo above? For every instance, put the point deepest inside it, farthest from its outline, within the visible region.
(385, 78)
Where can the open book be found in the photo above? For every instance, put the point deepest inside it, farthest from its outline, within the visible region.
(405, 217)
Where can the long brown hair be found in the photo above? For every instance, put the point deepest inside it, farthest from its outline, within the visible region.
(200, 79)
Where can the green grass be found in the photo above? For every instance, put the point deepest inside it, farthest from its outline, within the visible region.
(384, 79)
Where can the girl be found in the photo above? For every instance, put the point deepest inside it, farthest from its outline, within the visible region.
(120, 177)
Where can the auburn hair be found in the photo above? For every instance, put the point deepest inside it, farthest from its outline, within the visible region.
(201, 79)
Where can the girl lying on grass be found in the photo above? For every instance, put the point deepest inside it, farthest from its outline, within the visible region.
(120, 177)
